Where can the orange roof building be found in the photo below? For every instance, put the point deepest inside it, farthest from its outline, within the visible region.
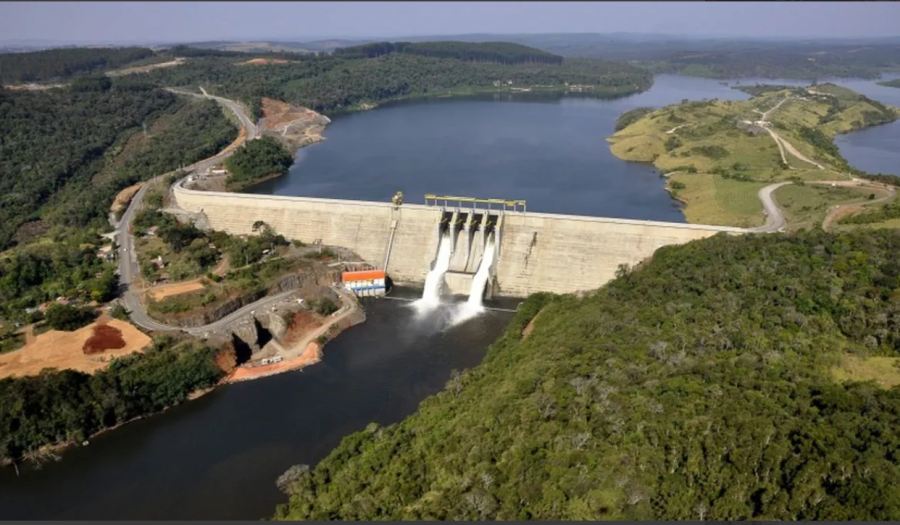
(366, 283)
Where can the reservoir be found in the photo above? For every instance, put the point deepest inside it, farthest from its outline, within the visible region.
(549, 151)
(218, 457)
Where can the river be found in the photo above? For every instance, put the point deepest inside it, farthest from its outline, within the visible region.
(218, 457)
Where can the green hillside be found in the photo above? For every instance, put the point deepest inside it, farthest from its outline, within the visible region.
(703, 385)
(719, 153)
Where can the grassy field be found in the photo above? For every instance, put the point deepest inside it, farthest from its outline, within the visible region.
(889, 224)
(712, 199)
(723, 157)
(883, 370)
(806, 206)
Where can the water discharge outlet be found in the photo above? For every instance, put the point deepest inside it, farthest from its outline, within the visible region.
(431, 295)
(474, 305)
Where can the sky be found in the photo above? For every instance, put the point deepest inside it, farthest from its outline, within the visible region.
(137, 22)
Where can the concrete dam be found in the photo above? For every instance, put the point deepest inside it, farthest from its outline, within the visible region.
(528, 252)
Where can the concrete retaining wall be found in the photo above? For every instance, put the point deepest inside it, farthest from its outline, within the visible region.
(538, 251)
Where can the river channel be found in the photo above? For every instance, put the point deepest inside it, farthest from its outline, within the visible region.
(218, 457)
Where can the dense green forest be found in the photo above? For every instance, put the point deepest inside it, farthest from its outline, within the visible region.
(60, 64)
(695, 387)
(631, 116)
(65, 265)
(65, 154)
(256, 160)
(332, 84)
(56, 137)
(502, 52)
(60, 407)
(56, 142)
(724, 57)
(787, 61)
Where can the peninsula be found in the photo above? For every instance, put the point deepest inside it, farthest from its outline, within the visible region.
(719, 154)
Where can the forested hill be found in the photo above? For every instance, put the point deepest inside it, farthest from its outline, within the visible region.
(697, 387)
(59, 64)
(501, 52)
(333, 84)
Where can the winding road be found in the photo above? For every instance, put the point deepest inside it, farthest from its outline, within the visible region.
(128, 265)
(775, 221)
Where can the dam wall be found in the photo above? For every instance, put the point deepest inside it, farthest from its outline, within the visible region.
(537, 251)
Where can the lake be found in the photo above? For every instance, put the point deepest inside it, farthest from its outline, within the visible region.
(219, 456)
(549, 151)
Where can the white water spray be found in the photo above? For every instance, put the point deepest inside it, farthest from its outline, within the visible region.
(474, 305)
(431, 295)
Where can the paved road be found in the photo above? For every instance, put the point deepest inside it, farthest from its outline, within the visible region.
(775, 221)
(129, 271)
(237, 109)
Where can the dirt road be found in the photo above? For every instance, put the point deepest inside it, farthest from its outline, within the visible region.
(840, 211)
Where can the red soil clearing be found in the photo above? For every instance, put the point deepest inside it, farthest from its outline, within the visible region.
(104, 338)
(302, 323)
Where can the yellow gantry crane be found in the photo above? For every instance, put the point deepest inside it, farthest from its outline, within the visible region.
(504, 204)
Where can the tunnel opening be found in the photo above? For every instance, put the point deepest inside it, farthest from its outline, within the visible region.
(476, 221)
(490, 224)
(446, 217)
(263, 335)
(242, 350)
(461, 220)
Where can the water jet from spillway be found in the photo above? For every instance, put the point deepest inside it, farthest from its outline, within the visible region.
(474, 305)
(434, 281)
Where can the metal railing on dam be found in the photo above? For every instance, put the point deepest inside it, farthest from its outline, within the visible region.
(536, 251)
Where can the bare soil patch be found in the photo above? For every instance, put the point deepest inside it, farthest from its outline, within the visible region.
(526, 332)
(226, 358)
(124, 197)
(312, 354)
(32, 87)
(296, 125)
(264, 61)
(104, 338)
(222, 267)
(64, 350)
(302, 323)
(158, 293)
(145, 69)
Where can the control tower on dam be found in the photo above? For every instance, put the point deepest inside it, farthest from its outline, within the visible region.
(530, 252)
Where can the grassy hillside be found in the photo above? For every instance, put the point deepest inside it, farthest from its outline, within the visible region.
(703, 385)
(718, 153)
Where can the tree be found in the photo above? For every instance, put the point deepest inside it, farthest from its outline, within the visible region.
(68, 318)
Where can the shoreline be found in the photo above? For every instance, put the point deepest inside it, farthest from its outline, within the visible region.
(311, 355)
(612, 141)
(475, 91)
(217, 183)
